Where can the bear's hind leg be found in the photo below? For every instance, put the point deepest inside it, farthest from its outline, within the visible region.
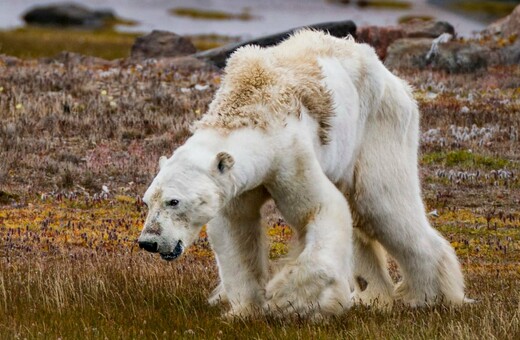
(394, 210)
(373, 284)
(387, 193)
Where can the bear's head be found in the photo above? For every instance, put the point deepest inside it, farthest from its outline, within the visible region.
(189, 190)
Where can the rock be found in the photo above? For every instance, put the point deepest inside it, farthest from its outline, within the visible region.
(507, 55)
(379, 37)
(382, 37)
(159, 44)
(457, 57)
(453, 56)
(426, 29)
(502, 37)
(218, 56)
(408, 53)
(67, 14)
(507, 26)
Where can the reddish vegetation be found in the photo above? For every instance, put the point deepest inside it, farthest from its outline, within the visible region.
(69, 266)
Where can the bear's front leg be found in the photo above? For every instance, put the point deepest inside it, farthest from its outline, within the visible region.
(237, 238)
(317, 282)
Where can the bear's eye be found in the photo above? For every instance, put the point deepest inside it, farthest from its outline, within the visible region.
(172, 203)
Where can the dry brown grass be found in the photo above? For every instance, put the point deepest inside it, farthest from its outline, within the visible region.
(69, 266)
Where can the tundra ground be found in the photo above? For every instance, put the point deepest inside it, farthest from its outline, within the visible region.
(80, 141)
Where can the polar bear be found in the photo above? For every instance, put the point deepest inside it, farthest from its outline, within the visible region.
(319, 125)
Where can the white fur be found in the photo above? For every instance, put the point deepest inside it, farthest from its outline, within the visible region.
(370, 161)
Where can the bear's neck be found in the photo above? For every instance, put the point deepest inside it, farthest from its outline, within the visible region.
(249, 148)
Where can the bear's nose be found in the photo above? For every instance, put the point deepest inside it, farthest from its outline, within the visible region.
(148, 246)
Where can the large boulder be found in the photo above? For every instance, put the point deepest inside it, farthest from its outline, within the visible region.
(408, 53)
(507, 26)
(382, 37)
(218, 56)
(379, 37)
(160, 44)
(503, 39)
(67, 14)
(426, 28)
(451, 56)
(509, 54)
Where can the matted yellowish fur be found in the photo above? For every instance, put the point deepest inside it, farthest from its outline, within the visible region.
(262, 86)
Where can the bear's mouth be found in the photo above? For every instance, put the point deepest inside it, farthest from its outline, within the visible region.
(177, 251)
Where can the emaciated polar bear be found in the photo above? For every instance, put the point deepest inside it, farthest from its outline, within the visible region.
(321, 126)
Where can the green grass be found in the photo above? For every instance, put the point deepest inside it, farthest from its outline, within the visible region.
(388, 4)
(465, 159)
(196, 13)
(208, 41)
(36, 42)
(494, 8)
(408, 18)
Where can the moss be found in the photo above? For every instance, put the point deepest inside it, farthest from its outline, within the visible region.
(110, 23)
(196, 13)
(408, 18)
(208, 41)
(36, 42)
(494, 8)
(384, 4)
(465, 159)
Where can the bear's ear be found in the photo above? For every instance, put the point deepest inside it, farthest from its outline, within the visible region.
(224, 162)
(162, 161)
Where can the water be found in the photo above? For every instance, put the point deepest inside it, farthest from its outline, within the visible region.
(273, 15)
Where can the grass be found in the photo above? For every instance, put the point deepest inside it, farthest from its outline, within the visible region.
(492, 8)
(36, 42)
(385, 4)
(71, 269)
(195, 13)
(69, 264)
(466, 159)
(208, 41)
(409, 18)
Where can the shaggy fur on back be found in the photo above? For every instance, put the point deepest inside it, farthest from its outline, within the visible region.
(263, 86)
